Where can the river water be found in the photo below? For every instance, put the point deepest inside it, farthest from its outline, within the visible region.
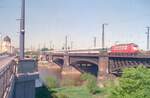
(71, 76)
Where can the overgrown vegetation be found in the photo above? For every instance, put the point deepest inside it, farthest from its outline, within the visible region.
(64, 92)
(89, 88)
(134, 83)
(90, 83)
(59, 95)
(51, 82)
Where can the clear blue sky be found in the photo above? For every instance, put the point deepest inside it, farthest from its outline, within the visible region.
(81, 20)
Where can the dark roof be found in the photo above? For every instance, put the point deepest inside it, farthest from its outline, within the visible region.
(7, 38)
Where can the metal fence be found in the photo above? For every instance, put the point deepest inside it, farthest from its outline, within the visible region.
(7, 73)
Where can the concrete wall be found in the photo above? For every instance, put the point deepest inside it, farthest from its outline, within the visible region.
(25, 79)
(25, 85)
(27, 66)
(25, 89)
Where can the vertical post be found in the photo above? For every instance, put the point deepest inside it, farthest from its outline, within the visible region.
(66, 56)
(94, 42)
(66, 43)
(50, 45)
(1, 42)
(147, 37)
(10, 48)
(22, 30)
(71, 47)
(39, 47)
(103, 35)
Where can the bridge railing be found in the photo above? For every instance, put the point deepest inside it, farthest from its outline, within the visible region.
(7, 73)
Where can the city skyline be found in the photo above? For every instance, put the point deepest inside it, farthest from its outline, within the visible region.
(81, 20)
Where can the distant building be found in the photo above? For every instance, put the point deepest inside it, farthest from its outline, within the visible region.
(6, 45)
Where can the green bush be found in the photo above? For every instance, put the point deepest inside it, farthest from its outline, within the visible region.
(59, 95)
(86, 76)
(51, 82)
(92, 86)
(90, 82)
(134, 83)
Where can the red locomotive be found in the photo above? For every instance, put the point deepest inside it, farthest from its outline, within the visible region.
(130, 48)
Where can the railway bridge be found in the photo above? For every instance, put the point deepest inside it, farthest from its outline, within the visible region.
(102, 62)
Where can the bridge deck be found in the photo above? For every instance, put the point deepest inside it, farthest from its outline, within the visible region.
(4, 60)
(98, 54)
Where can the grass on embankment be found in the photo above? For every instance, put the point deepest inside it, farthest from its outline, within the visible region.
(74, 92)
(71, 92)
(88, 89)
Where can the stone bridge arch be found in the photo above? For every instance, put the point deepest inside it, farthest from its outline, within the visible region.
(58, 60)
(86, 65)
(89, 60)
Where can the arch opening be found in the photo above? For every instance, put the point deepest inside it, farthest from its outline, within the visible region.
(86, 67)
(59, 61)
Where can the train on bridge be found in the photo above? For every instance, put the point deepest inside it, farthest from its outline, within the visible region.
(124, 49)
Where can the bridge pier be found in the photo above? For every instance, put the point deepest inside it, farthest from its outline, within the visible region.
(103, 67)
(50, 58)
(66, 60)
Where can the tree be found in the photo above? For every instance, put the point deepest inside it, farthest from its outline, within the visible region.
(134, 83)
(44, 49)
(90, 82)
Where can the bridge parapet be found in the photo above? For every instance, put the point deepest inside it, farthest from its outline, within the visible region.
(7, 74)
